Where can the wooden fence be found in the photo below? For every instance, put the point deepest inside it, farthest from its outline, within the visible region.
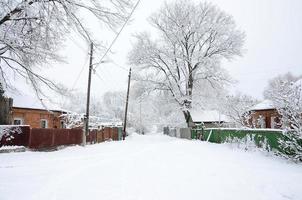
(39, 138)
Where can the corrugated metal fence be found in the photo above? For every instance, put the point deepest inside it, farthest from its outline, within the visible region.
(38, 138)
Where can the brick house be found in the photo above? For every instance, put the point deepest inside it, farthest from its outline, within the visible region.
(37, 118)
(264, 115)
(27, 110)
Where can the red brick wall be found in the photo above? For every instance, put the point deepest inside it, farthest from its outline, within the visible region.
(33, 117)
(267, 116)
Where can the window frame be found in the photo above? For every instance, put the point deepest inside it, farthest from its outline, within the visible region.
(46, 123)
(18, 118)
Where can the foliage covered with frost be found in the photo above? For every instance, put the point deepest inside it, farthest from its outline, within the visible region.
(287, 97)
(193, 40)
(236, 107)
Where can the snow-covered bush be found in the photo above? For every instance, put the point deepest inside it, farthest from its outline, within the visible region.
(73, 120)
(291, 146)
(248, 143)
(287, 97)
(7, 133)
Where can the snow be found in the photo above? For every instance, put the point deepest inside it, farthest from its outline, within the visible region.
(149, 167)
(208, 116)
(264, 105)
(10, 147)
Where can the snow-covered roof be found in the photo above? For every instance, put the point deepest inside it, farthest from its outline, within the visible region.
(208, 116)
(32, 102)
(264, 105)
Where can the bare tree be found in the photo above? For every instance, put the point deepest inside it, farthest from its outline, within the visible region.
(31, 32)
(193, 39)
(113, 103)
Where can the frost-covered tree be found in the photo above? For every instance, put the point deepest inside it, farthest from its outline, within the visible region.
(149, 110)
(193, 40)
(287, 97)
(76, 102)
(274, 83)
(31, 32)
(114, 103)
(236, 108)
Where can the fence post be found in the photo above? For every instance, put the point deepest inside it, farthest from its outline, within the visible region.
(29, 138)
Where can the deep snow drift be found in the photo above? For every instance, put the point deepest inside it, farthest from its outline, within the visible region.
(148, 167)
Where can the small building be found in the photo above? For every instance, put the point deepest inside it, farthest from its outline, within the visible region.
(264, 115)
(210, 118)
(37, 118)
(36, 113)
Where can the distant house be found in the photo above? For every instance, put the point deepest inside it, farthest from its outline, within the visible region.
(264, 115)
(27, 110)
(210, 118)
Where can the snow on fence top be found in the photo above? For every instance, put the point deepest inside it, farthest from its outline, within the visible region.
(247, 129)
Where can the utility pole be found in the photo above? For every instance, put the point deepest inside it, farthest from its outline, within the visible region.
(126, 109)
(86, 119)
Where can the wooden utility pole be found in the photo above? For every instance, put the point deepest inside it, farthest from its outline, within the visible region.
(86, 120)
(126, 109)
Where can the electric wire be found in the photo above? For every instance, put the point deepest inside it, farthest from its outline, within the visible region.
(118, 34)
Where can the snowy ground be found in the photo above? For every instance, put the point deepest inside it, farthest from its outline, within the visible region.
(148, 167)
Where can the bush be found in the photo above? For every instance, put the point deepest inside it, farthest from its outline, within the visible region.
(291, 146)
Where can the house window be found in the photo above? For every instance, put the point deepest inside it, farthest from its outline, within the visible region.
(44, 123)
(18, 121)
(62, 124)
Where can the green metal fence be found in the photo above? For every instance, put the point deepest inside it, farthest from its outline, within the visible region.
(221, 135)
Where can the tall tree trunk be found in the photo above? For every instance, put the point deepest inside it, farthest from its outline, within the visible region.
(188, 102)
(188, 118)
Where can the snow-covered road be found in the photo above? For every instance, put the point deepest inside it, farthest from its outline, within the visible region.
(148, 167)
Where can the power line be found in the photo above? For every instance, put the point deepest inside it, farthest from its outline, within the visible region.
(119, 66)
(99, 76)
(79, 75)
(118, 34)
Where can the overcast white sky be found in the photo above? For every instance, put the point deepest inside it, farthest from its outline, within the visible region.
(273, 46)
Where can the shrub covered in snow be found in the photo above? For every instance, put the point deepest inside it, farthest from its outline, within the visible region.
(287, 97)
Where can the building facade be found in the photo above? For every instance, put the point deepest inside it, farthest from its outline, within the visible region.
(264, 115)
(37, 118)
